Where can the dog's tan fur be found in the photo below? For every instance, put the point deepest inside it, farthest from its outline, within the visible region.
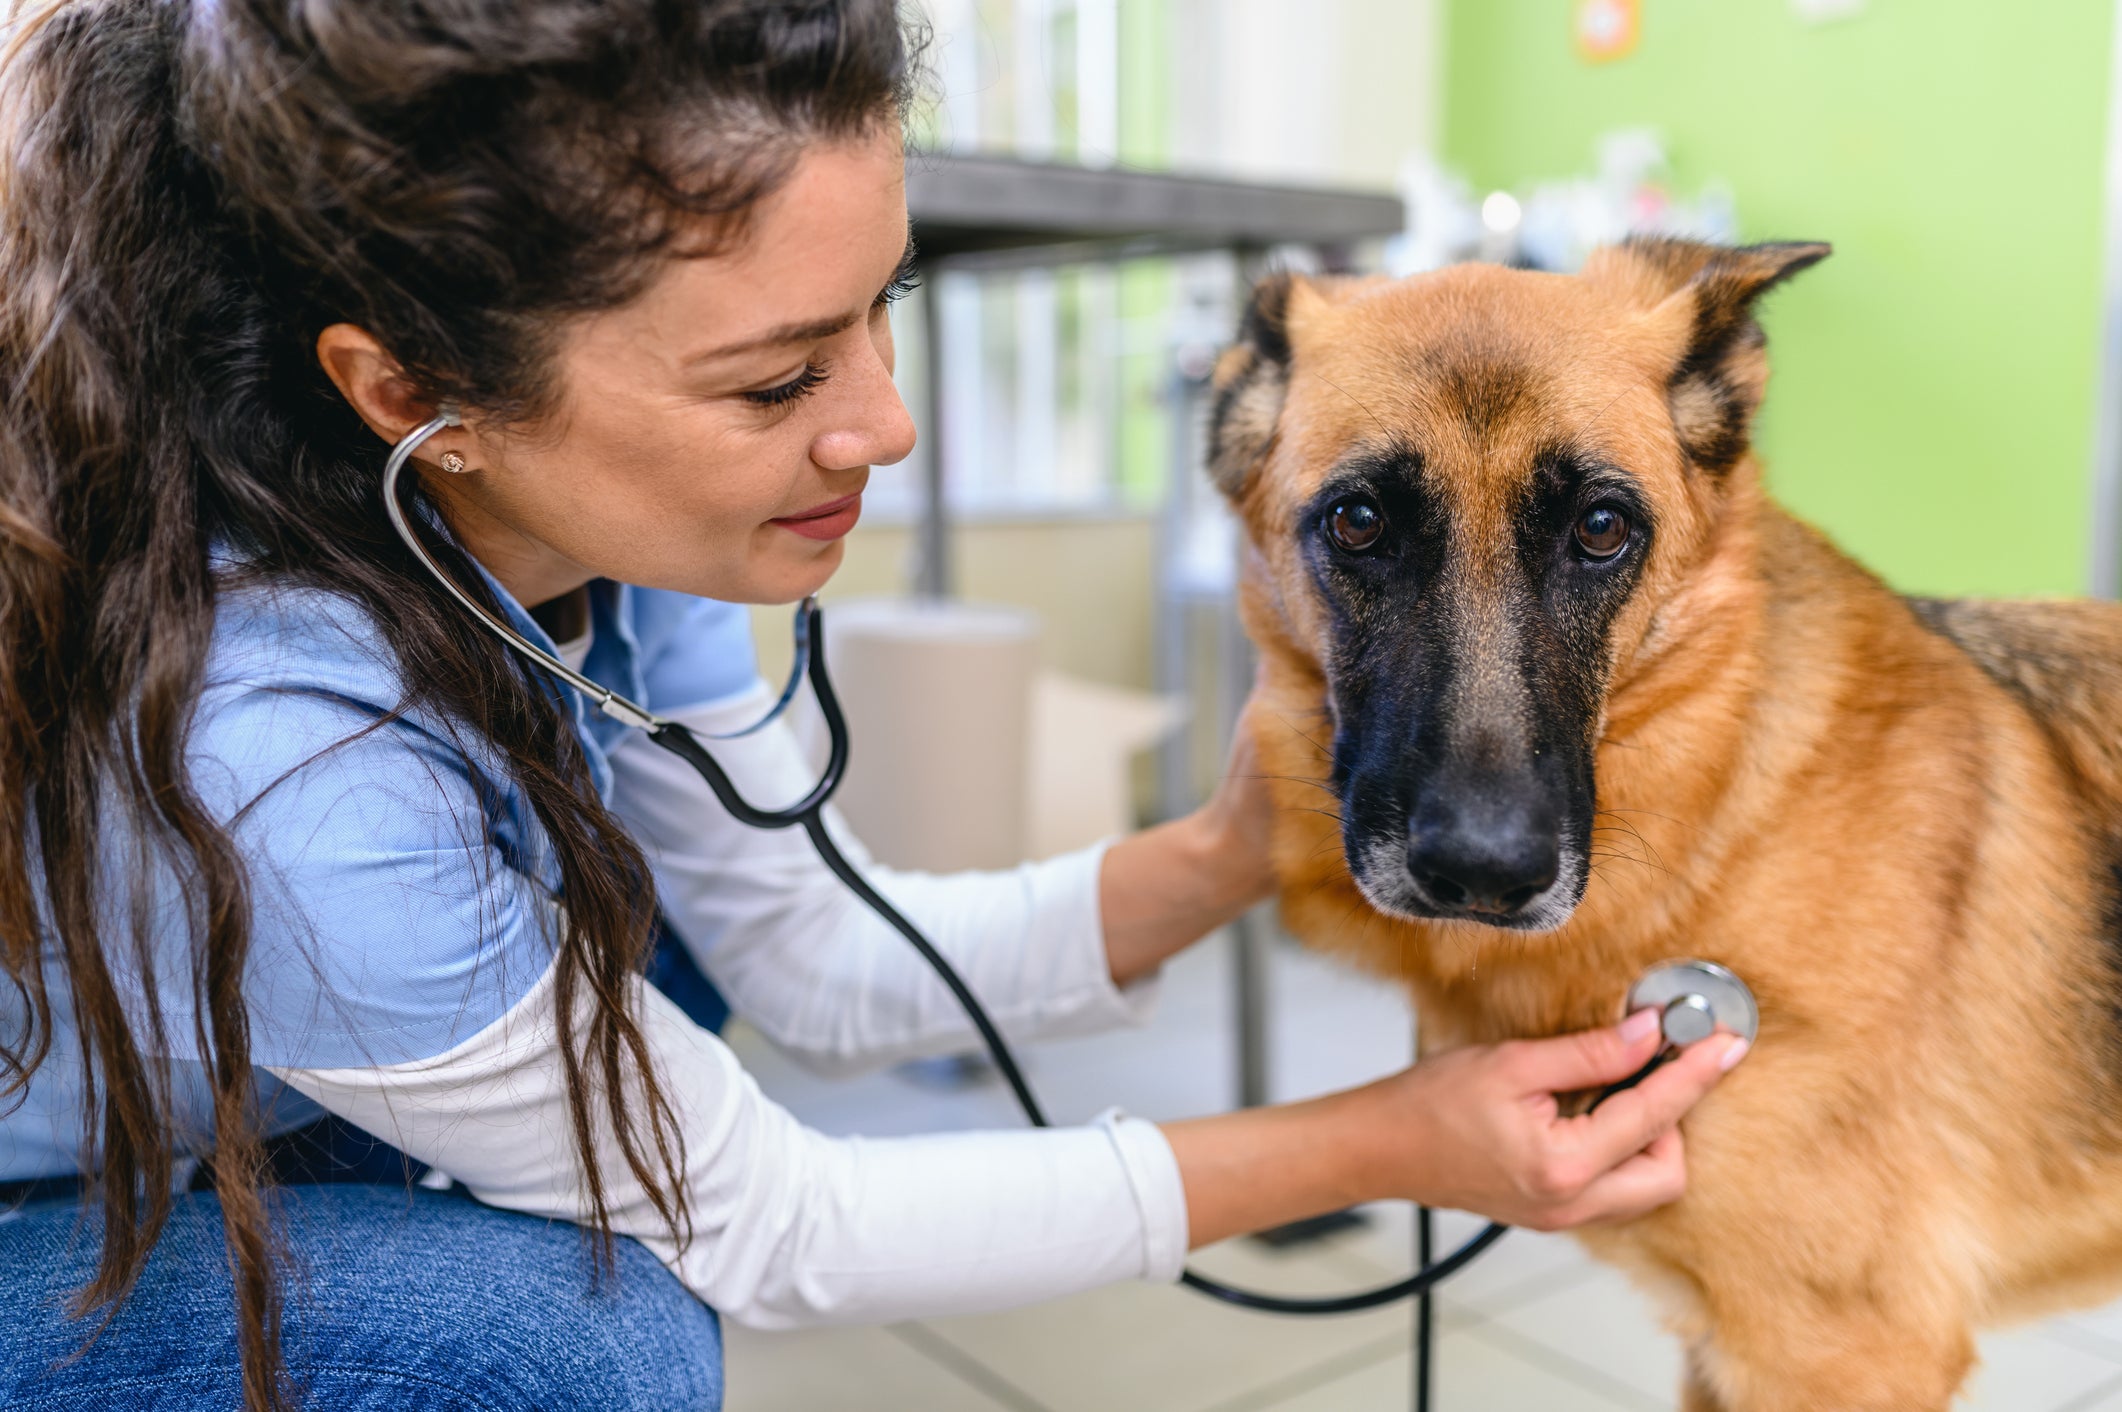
(1896, 821)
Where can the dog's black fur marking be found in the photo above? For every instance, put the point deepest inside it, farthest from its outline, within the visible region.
(1713, 412)
(1228, 459)
(1582, 598)
(1242, 414)
(1717, 445)
(1418, 706)
(1265, 324)
(2025, 668)
(1485, 386)
(2111, 939)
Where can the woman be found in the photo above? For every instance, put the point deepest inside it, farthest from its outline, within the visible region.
(292, 847)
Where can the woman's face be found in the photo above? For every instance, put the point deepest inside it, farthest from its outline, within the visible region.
(714, 434)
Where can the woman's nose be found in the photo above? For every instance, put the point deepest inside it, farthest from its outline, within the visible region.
(874, 429)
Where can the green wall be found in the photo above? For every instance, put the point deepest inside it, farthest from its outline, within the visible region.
(1933, 390)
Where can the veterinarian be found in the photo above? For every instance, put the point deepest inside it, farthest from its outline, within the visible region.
(304, 878)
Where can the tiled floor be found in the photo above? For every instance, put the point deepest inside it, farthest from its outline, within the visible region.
(1534, 1326)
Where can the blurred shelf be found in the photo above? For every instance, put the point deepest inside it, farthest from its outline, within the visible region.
(1002, 211)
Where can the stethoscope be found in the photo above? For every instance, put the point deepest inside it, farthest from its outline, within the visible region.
(1694, 998)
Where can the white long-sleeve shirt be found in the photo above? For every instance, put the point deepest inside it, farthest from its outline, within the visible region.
(792, 1227)
(400, 974)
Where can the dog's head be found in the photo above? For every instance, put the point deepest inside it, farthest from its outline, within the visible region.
(1467, 493)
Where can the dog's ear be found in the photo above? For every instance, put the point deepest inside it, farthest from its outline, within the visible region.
(1251, 380)
(1707, 292)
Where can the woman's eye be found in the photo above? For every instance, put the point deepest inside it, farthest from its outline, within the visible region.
(1355, 525)
(902, 284)
(804, 382)
(1602, 532)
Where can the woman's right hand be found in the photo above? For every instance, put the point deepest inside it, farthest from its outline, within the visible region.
(1480, 1129)
(1476, 1129)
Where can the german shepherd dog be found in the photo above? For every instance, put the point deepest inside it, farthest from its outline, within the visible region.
(1552, 692)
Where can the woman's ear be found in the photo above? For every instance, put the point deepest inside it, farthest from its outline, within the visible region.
(371, 381)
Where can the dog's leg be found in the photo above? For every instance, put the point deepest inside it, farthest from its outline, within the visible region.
(1789, 1356)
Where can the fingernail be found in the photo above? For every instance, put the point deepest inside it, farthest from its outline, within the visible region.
(1734, 1052)
(1640, 1026)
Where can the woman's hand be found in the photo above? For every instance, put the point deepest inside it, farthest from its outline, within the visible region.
(1236, 825)
(1476, 1129)
(1165, 888)
(1482, 1130)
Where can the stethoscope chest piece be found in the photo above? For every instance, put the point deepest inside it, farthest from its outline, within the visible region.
(1696, 999)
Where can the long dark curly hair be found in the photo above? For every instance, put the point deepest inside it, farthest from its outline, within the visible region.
(190, 191)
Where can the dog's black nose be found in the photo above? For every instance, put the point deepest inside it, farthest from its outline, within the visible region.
(1483, 851)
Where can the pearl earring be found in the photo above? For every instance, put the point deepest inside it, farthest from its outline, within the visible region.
(454, 463)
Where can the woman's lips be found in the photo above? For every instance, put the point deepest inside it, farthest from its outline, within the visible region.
(827, 521)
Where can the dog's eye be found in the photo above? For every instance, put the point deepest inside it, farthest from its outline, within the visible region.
(1355, 525)
(1602, 531)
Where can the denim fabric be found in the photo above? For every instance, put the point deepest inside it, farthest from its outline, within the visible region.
(397, 1299)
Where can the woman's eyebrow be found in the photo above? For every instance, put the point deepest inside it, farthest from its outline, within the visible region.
(809, 332)
(788, 333)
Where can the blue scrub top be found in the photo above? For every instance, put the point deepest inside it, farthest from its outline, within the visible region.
(400, 880)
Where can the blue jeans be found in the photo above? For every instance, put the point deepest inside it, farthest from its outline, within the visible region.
(396, 1298)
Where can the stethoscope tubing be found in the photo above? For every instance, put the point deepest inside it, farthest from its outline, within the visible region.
(607, 700)
(808, 814)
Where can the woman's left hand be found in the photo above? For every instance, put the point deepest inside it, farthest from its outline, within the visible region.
(1165, 888)
(1237, 822)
